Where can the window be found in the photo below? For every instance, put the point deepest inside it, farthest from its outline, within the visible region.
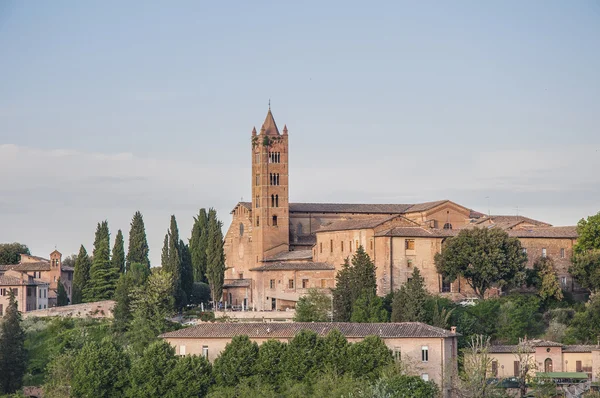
(257, 221)
(256, 157)
(409, 262)
(205, 351)
(274, 221)
(578, 367)
(70, 276)
(320, 247)
(1, 310)
(241, 229)
(305, 284)
(2, 292)
(516, 367)
(447, 226)
(45, 291)
(357, 245)
(424, 353)
(350, 246)
(446, 286)
(274, 157)
(495, 368)
(371, 242)
(40, 293)
(397, 355)
(544, 252)
(272, 283)
(331, 245)
(563, 281)
(299, 229)
(425, 376)
(342, 246)
(257, 201)
(257, 179)
(562, 252)
(291, 283)
(182, 350)
(548, 365)
(323, 283)
(409, 244)
(29, 291)
(525, 250)
(39, 307)
(273, 178)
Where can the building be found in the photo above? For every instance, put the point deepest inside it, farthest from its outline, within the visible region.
(276, 250)
(432, 350)
(30, 294)
(45, 272)
(546, 357)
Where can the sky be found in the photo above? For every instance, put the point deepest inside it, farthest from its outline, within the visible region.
(108, 107)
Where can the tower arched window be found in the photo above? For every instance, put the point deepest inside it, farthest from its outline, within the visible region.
(299, 229)
(276, 200)
(274, 221)
(272, 200)
(447, 226)
(257, 201)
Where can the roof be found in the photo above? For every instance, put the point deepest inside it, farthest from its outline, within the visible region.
(580, 348)
(7, 280)
(544, 343)
(289, 330)
(545, 232)
(418, 232)
(66, 268)
(292, 255)
(41, 266)
(562, 375)
(237, 282)
(357, 223)
(283, 266)
(41, 259)
(269, 127)
(499, 219)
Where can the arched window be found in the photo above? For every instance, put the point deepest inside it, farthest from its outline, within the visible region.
(274, 221)
(447, 226)
(272, 200)
(257, 201)
(276, 200)
(299, 229)
(241, 229)
(548, 365)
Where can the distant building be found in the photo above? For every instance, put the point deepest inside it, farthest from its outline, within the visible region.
(276, 250)
(432, 350)
(39, 271)
(30, 294)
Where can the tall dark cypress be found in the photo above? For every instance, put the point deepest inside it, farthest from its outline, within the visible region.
(118, 254)
(187, 273)
(164, 256)
(12, 349)
(215, 257)
(81, 276)
(198, 243)
(103, 277)
(138, 243)
(173, 262)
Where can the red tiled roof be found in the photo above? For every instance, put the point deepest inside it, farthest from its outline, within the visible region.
(545, 232)
(41, 266)
(289, 330)
(356, 223)
(7, 280)
(282, 266)
(418, 232)
(580, 348)
(292, 255)
(512, 220)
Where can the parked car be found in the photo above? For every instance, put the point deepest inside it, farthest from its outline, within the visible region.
(469, 301)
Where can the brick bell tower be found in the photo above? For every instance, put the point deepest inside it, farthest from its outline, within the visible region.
(270, 193)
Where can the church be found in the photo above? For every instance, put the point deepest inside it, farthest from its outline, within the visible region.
(276, 249)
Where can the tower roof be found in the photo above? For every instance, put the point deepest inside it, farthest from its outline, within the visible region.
(269, 127)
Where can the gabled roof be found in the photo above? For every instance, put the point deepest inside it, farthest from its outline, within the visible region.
(8, 280)
(285, 266)
(292, 255)
(356, 223)
(510, 221)
(289, 330)
(41, 266)
(269, 127)
(349, 208)
(418, 232)
(545, 232)
(247, 205)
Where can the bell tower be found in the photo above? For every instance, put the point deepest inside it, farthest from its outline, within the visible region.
(270, 193)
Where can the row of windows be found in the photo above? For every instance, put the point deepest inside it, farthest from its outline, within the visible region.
(273, 179)
(545, 252)
(274, 157)
(274, 201)
(182, 351)
(292, 283)
(6, 291)
(273, 221)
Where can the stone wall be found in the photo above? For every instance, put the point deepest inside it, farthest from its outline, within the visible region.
(98, 309)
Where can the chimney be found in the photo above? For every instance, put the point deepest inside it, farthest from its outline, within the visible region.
(452, 329)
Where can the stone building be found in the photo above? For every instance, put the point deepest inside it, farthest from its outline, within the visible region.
(430, 351)
(276, 250)
(45, 272)
(30, 294)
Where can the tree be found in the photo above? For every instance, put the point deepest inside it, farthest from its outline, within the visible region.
(164, 255)
(147, 375)
(335, 351)
(586, 324)
(519, 316)
(405, 386)
(525, 355)
(215, 257)
(13, 357)
(588, 232)
(236, 362)
(485, 257)
(198, 245)
(200, 293)
(408, 304)
(136, 275)
(313, 307)
(269, 364)
(545, 279)
(342, 300)
(69, 261)
(187, 273)
(60, 375)
(62, 298)
(81, 276)
(303, 356)
(191, 377)
(118, 253)
(586, 270)
(103, 277)
(138, 244)
(368, 357)
(368, 308)
(10, 253)
(100, 370)
(171, 262)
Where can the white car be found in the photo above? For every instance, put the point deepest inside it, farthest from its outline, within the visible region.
(470, 301)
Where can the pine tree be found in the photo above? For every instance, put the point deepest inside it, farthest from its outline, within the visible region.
(215, 257)
(172, 262)
(187, 273)
(198, 243)
(118, 253)
(136, 276)
(164, 256)
(81, 275)
(342, 300)
(138, 244)
(62, 298)
(12, 349)
(103, 277)
(409, 301)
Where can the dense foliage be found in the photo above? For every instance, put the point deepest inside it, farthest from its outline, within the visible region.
(10, 253)
(81, 276)
(12, 349)
(215, 256)
(138, 243)
(315, 306)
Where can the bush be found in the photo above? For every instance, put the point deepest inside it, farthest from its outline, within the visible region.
(236, 362)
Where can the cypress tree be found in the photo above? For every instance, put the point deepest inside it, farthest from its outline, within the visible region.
(81, 275)
(215, 257)
(103, 277)
(102, 233)
(118, 253)
(62, 298)
(136, 276)
(409, 301)
(187, 273)
(12, 349)
(164, 256)
(138, 244)
(342, 299)
(198, 243)
(172, 262)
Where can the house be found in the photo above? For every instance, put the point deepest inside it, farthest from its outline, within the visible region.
(30, 293)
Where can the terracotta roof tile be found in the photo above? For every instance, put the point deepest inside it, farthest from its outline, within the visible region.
(545, 232)
(580, 348)
(418, 232)
(292, 255)
(306, 266)
(348, 208)
(512, 219)
(289, 330)
(41, 266)
(356, 223)
(237, 282)
(7, 280)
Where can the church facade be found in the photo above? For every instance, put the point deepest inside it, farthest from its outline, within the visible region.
(276, 250)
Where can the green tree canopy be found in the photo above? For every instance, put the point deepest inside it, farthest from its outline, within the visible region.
(236, 361)
(586, 324)
(81, 275)
(586, 270)
(315, 306)
(404, 386)
(187, 273)
(138, 243)
(368, 357)
(408, 304)
(118, 253)
(335, 351)
(136, 276)
(190, 378)
(545, 280)
(103, 277)
(100, 370)
(147, 374)
(10, 253)
(303, 356)
(589, 234)
(62, 298)
(269, 365)
(368, 308)
(13, 357)
(198, 245)
(485, 257)
(342, 299)
(215, 257)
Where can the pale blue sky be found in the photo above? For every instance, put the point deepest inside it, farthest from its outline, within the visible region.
(112, 106)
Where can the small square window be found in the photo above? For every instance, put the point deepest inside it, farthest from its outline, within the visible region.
(410, 244)
(544, 252)
(323, 283)
(291, 284)
(205, 351)
(272, 283)
(397, 354)
(425, 353)
(562, 252)
(305, 284)
(425, 376)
